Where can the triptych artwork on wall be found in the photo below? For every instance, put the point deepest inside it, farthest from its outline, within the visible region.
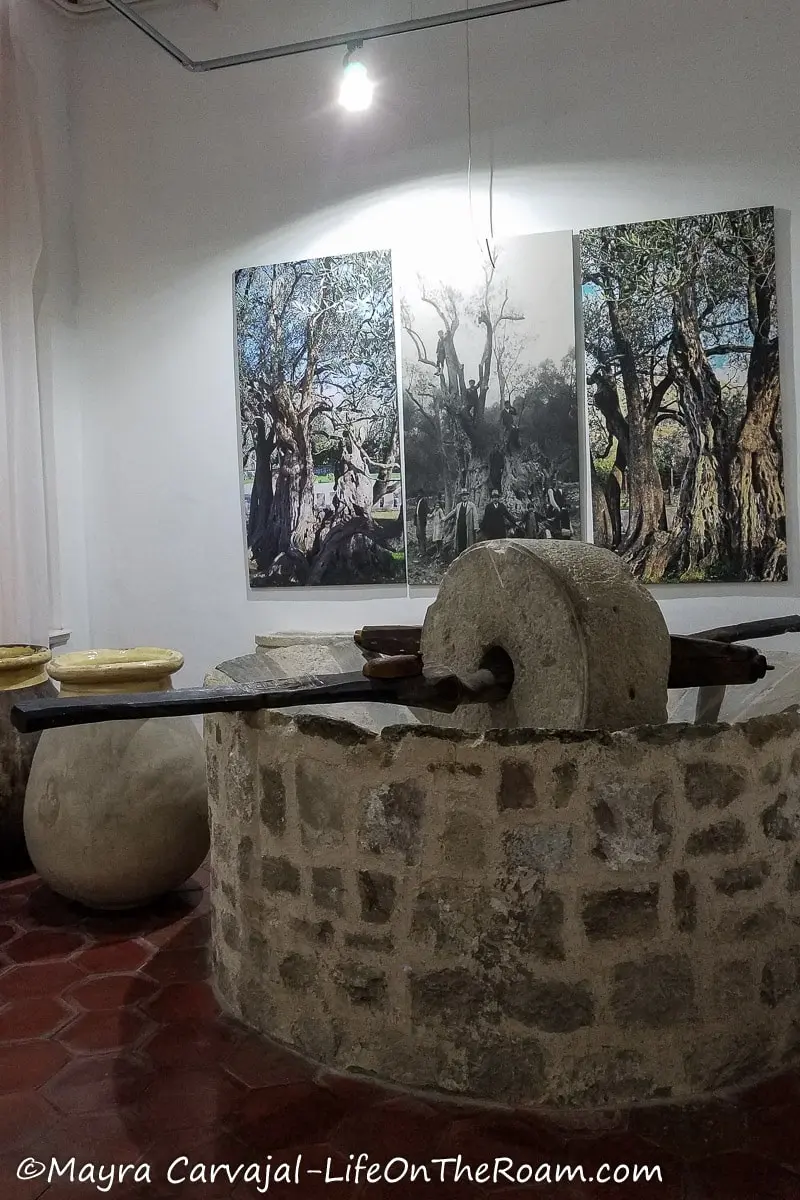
(682, 386)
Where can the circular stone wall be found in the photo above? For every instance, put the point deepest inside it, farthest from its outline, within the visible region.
(524, 917)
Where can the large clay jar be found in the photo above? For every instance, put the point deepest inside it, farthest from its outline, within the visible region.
(23, 672)
(116, 813)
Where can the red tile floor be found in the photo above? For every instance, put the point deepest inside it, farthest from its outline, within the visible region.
(113, 1052)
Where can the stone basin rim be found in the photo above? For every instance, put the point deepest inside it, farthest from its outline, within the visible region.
(756, 730)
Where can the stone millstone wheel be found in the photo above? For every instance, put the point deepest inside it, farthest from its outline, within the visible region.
(588, 643)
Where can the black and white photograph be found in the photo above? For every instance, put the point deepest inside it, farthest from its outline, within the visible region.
(683, 374)
(319, 419)
(490, 410)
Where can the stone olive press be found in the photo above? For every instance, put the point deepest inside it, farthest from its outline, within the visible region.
(540, 894)
(590, 907)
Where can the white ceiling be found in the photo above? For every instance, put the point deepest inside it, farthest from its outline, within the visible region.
(78, 7)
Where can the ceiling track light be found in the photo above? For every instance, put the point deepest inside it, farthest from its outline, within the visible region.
(435, 21)
(357, 88)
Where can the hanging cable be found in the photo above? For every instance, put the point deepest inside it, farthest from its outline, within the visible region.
(491, 188)
(483, 244)
(473, 222)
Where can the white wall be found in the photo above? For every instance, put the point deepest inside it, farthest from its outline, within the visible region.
(45, 45)
(596, 111)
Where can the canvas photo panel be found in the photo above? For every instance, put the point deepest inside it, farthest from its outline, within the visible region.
(490, 407)
(683, 384)
(319, 421)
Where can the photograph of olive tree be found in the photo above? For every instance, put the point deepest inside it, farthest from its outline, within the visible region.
(319, 420)
(490, 408)
(683, 374)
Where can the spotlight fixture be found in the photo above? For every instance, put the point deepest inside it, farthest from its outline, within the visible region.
(357, 88)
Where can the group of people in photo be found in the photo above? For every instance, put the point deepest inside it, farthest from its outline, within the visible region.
(443, 534)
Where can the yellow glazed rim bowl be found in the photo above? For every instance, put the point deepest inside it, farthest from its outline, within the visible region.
(21, 658)
(136, 664)
(23, 666)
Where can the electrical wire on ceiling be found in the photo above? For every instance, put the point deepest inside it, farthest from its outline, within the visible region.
(334, 41)
(485, 243)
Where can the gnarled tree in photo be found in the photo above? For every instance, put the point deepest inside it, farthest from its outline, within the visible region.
(483, 411)
(757, 459)
(466, 448)
(317, 384)
(681, 329)
(626, 342)
(698, 545)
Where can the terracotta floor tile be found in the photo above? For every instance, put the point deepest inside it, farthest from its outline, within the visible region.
(536, 1191)
(195, 1099)
(257, 1063)
(629, 1154)
(104, 929)
(12, 901)
(201, 1145)
(32, 1018)
(127, 1190)
(24, 1116)
(183, 936)
(46, 943)
(741, 1176)
(38, 979)
(781, 1089)
(483, 1137)
(103, 1137)
(191, 1043)
(110, 992)
(188, 1160)
(14, 1188)
(109, 957)
(401, 1126)
(419, 1177)
(29, 1064)
(773, 1133)
(97, 1031)
(99, 1083)
(694, 1131)
(274, 1119)
(183, 1002)
(44, 908)
(179, 966)
(21, 886)
(319, 1172)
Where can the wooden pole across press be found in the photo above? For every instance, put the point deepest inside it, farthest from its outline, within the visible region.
(433, 688)
(394, 673)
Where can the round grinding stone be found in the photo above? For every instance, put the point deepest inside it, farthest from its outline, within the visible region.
(588, 643)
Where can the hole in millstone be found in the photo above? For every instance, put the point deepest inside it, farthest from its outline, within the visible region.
(498, 661)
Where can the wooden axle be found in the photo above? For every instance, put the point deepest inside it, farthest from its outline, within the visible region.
(695, 662)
